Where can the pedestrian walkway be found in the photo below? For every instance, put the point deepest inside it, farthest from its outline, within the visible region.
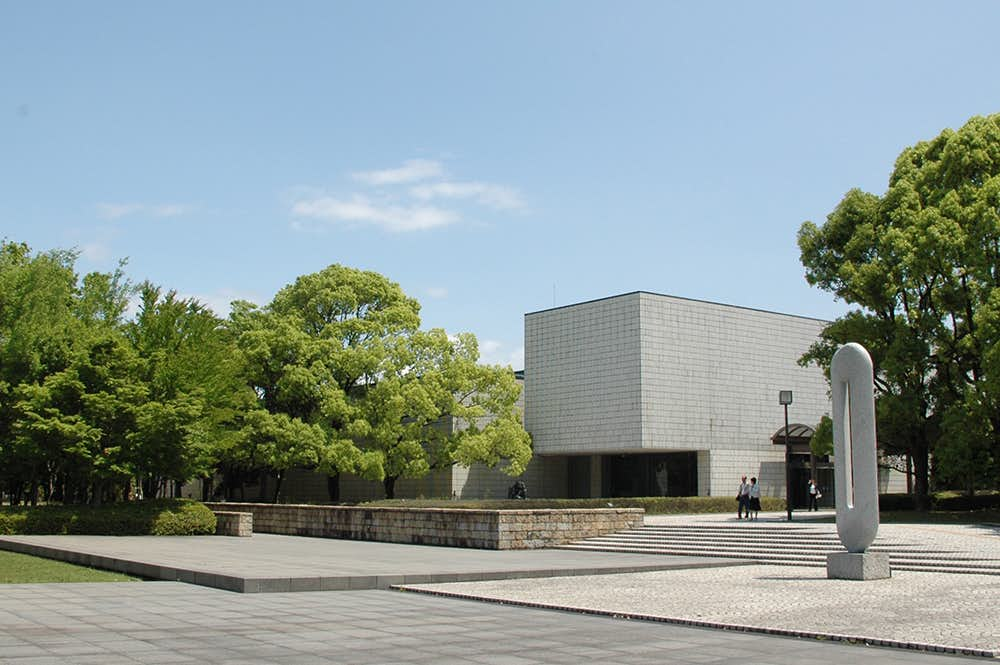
(680, 597)
(169, 622)
(273, 563)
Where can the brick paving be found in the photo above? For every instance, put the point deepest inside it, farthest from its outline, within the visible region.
(936, 610)
(171, 622)
(762, 607)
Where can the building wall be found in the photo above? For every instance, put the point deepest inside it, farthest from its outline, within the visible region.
(710, 380)
(582, 371)
(643, 372)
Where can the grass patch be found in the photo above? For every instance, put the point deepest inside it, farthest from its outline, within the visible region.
(24, 569)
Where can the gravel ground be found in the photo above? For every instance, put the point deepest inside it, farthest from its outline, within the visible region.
(951, 610)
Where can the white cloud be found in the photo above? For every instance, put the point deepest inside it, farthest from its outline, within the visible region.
(360, 209)
(495, 196)
(437, 292)
(412, 170)
(116, 210)
(489, 346)
(401, 199)
(492, 352)
(220, 301)
(95, 251)
(119, 210)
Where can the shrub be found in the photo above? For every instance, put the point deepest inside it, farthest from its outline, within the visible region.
(964, 502)
(655, 505)
(156, 517)
(896, 502)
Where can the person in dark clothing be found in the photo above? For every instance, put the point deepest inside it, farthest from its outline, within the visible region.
(743, 497)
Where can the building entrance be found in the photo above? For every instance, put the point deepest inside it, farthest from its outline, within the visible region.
(662, 474)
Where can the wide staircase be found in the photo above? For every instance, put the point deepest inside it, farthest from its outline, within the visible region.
(788, 544)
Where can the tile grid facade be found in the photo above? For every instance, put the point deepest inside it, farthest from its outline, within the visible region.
(643, 372)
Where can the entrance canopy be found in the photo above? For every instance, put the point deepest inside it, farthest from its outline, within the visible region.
(797, 434)
(798, 437)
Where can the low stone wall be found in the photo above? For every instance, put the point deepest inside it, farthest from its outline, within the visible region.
(480, 529)
(229, 523)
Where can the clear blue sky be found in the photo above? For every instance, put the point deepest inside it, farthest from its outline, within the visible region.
(494, 158)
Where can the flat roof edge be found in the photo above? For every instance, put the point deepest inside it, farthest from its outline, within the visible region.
(667, 295)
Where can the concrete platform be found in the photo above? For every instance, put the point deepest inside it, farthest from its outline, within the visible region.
(273, 563)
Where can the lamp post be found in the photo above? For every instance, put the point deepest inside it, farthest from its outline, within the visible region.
(785, 398)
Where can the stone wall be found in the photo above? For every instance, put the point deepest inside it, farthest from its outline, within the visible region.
(228, 523)
(480, 529)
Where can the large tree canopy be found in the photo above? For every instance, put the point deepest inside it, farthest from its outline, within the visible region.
(333, 375)
(340, 365)
(921, 263)
(91, 403)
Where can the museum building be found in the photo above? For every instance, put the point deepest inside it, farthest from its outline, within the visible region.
(644, 394)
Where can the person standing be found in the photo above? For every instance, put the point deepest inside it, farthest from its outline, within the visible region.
(813, 495)
(743, 497)
(754, 499)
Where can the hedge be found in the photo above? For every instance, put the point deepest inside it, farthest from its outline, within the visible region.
(942, 501)
(155, 517)
(654, 505)
(964, 502)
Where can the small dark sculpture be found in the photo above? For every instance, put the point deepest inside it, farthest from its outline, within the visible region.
(517, 491)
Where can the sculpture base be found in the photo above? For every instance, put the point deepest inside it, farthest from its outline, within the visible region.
(862, 566)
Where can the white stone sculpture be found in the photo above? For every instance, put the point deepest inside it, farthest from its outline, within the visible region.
(855, 465)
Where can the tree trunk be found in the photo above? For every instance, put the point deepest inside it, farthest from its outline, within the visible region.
(389, 483)
(909, 473)
(278, 477)
(333, 487)
(921, 474)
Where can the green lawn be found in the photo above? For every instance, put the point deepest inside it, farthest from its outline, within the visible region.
(23, 569)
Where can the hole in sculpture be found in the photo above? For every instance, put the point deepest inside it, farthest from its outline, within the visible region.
(848, 460)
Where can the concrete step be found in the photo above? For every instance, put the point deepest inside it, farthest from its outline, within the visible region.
(805, 559)
(784, 545)
(825, 546)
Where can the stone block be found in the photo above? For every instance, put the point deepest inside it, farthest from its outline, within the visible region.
(858, 566)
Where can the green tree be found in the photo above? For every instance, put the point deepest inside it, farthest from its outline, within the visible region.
(922, 265)
(37, 332)
(80, 417)
(434, 406)
(821, 443)
(89, 401)
(196, 389)
(316, 349)
(341, 350)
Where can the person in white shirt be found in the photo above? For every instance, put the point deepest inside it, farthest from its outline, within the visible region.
(743, 497)
(813, 495)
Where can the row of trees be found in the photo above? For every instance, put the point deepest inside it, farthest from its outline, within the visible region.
(334, 374)
(921, 265)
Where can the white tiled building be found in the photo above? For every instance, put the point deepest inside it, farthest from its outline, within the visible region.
(646, 394)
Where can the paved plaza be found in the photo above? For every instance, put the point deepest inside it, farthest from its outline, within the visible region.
(172, 622)
(530, 606)
(272, 563)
